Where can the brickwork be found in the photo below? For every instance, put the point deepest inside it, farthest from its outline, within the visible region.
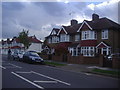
(45, 57)
(116, 62)
(83, 60)
(57, 58)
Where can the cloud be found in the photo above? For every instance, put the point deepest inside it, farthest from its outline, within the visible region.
(104, 9)
(40, 17)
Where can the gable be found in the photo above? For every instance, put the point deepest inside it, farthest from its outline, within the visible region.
(53, 32)
(85, 27)
(102, 45)
(62, 32)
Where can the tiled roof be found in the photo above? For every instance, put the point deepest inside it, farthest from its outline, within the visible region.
(88, 43)
(34, 40)
(72, 29)
(16, 47)
(74, 44)
(103, 23)
(63, 45)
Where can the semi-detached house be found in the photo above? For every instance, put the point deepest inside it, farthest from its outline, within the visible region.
(89, 38)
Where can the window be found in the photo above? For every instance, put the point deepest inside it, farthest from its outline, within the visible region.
(49, 40)
(77, 37)
(74, 51)
(104, 34)
(78, 51)
(55, 39)
(64, 38)
(87, 51)
(88, 35)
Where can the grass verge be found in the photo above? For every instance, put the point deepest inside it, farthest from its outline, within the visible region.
(54, 63)
(107, 72)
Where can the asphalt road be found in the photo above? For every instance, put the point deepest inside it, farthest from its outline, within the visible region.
(17, 74)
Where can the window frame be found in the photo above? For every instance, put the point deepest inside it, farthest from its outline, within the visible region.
(104, 34)
(89, 35)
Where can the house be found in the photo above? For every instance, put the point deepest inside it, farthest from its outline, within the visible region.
(15, 45)
(84, 41)
(36, 45)
(99, 36)
(65, 36)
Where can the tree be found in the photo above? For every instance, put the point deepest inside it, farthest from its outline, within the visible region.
(23, 37)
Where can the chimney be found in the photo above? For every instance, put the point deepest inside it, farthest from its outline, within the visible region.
(73, 22)
(95, 17)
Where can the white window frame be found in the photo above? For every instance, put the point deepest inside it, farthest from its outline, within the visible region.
(54, 39)
(89, 35)
(64, 38)
(86, 51)
(104, 34)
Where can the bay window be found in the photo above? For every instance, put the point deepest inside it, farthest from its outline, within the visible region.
(87, 51)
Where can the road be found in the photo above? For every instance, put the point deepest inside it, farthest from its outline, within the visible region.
(17, 74)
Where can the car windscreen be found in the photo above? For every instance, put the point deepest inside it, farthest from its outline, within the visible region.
(33, 54)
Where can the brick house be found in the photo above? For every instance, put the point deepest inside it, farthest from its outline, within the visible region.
(99, 36)
(85, 41)
(59, 40)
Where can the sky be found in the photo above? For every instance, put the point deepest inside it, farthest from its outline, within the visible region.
(40, 17)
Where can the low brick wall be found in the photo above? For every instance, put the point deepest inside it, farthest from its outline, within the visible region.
(101, 60)
(116, 63)
(57, 58)
(83, 60)
(45, 57)
(74, 59)
(90, 60)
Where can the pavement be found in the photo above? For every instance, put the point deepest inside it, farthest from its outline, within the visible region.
(83, 68)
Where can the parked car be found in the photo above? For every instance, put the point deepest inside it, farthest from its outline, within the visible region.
(20, 55)
(14, 55)
(32, 57)
(116, 55)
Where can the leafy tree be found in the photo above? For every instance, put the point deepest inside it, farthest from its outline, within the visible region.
(23, 37)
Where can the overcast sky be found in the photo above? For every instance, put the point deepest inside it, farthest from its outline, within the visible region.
(40, 17)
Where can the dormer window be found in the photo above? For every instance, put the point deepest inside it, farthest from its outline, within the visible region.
(104, 34)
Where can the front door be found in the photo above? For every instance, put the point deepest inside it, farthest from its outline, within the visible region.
(99, 51)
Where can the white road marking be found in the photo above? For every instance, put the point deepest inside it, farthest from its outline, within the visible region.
(87, 73)
(14, 65)
(27, 80)
(51, 78)
(45, 81)
(22, 72)
(2, 67)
